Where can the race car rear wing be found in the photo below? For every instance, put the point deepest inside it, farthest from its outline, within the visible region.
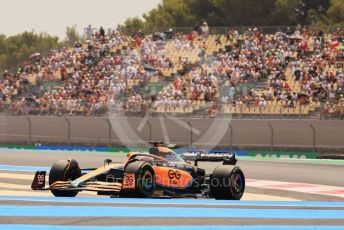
(197, 156)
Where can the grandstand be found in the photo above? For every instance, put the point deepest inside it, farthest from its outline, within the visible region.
(245, 74)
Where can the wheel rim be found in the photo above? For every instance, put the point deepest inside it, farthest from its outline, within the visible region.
(147, 181)
(238, 183)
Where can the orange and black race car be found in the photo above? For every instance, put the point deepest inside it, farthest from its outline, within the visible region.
(158, 173)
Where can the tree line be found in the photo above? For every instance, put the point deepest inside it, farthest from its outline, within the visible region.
(185, 13)
(14, 50)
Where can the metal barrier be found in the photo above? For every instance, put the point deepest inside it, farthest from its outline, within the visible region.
(95, 131)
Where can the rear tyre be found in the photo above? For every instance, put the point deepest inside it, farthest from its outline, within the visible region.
(64, 170)
(144, 180)
(227, 183)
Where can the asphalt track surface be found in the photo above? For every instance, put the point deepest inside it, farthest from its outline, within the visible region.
(289, 171)
(18, 212)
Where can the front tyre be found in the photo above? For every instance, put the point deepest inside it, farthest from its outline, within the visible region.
(64, 170)
(138, 180)
(227, 183)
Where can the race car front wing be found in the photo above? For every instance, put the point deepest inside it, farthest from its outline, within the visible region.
(38, 183)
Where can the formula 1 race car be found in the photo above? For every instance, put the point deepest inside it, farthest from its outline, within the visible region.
(158, 173)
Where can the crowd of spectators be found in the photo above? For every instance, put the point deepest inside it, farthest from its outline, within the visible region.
(198, 84)
(298, 67)
(88, 74)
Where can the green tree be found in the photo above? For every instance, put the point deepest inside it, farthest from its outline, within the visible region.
(185, 13)
(18, 48)
(72, 36)
(246, 13)
(169, 13)
(309, 11)
(284, 12)
(131, 25)
(336, 12)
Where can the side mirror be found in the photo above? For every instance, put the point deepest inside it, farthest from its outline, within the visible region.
(107, 161)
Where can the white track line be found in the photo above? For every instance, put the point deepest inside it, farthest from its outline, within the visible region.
(17, 176)
(297, 187)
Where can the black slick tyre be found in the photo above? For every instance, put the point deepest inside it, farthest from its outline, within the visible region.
(64, 170)
(227, 183)
(143, 181)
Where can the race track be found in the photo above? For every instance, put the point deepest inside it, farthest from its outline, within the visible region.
(289, 193)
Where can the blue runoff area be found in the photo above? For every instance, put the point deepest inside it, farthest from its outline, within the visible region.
(23, 168)
(219, 227)
(191, 202)
(173, 212)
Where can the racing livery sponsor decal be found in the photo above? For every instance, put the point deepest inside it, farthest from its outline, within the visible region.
(40, 179)
(129, 181)
(174, 174)
(158, 192)
(170, 177)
